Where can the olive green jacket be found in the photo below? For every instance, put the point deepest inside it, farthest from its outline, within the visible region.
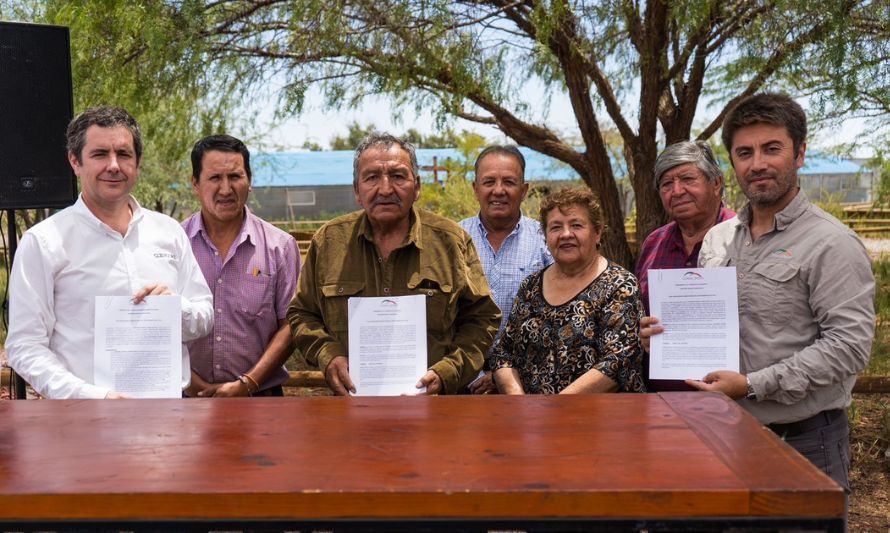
(437, 260)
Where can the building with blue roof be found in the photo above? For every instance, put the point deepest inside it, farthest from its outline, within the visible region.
(297, 169)
(317, 185)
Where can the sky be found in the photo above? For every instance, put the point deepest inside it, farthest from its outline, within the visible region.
(318, 125)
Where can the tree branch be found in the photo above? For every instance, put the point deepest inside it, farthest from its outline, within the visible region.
(775, 61)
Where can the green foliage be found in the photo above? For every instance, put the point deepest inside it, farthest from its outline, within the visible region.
(413, 136)
(531, 206)
(147, 57)
(831, 204)
(881, 268)
(733, 197)
(639, 69)
(356, 133)
(880, 355)
(447, 139)
(312, 146)
(879, 364)
(880, 164)
(847, 72)
(470, 145)
(455, 198)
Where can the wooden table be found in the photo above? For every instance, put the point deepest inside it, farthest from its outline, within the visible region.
(586, 462)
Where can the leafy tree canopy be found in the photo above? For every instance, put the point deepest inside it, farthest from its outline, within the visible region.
(356, 132)
(643, 69)
(146, 56)
(648, 70)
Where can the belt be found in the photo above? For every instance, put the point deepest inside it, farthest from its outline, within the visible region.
(819, 420)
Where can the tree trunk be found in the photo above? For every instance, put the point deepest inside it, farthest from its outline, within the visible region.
(614, 241)
(650, 213)
(644, 148)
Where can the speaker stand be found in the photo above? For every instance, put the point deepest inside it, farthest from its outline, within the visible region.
(17, 383)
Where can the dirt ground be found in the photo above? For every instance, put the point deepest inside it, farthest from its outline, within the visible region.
(870, 469)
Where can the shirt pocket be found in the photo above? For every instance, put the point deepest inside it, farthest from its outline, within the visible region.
(256, 300)
(774, 286)
(525, 271)
(336, 308)
(438, 304)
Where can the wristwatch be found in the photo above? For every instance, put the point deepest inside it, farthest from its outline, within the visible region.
(750, 391)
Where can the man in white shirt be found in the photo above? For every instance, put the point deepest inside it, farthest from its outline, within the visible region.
(105, 244)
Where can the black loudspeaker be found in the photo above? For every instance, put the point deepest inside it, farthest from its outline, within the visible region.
(35, 108)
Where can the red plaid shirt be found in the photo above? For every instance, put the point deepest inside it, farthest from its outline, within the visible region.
(663, 248)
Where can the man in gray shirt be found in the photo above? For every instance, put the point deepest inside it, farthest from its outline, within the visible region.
(805, 285)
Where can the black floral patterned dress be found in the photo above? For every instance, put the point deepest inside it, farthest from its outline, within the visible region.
(552, 346)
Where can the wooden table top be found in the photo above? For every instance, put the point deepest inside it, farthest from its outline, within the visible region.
(609, 455)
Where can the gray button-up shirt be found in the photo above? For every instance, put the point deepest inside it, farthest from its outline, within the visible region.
(806, 308)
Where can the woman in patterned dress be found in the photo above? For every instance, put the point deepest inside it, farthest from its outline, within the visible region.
(574, 326)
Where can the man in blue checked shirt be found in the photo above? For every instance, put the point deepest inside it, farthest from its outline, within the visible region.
(511, 246)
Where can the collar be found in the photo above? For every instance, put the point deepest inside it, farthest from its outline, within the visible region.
(414, 234)
(785, 217)
(80, 207)
(248, 231)
(484, 230)
(136, 209)
(675, 234)
(724, 214)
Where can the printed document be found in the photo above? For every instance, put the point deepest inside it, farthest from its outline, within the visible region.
(699, 309)
(387, 344)
(138, 347)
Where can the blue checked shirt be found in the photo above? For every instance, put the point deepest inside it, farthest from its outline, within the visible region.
(523, 252)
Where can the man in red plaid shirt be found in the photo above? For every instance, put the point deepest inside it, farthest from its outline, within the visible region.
(690, 185)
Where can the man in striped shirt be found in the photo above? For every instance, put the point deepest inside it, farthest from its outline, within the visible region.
(511, 246)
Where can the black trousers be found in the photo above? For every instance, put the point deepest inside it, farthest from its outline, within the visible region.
(824, 439)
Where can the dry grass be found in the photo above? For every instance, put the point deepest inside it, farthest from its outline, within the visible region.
(870, 469)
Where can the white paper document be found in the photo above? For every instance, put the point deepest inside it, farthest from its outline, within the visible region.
(699, 309)
(387, 344)
(138, 347)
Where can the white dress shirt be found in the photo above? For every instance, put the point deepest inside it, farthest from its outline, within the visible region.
(65, 261)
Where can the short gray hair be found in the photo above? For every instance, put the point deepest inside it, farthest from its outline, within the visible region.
(384, 140)
(698, 153)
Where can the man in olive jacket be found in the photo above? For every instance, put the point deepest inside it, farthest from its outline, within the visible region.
(391, 248)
